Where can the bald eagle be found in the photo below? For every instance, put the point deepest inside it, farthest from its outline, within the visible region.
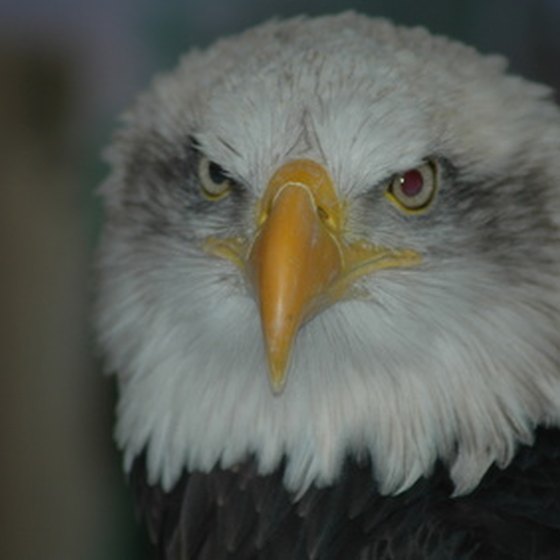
(329, 290)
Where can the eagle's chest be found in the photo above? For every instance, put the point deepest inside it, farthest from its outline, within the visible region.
(237, 513)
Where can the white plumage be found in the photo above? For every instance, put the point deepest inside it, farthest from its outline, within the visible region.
(456, 358)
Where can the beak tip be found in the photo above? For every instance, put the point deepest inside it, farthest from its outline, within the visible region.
(277, 387)
(277, 378)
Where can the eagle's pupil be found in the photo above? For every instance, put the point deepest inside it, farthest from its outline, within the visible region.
(216, 173)
(412, 183)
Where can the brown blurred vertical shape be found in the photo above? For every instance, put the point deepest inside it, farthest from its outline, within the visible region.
(47, 467)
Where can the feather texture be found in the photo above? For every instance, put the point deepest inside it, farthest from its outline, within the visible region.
(514, 514)
(433, 375)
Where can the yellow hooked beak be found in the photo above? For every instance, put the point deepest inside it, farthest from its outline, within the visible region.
(298, 261)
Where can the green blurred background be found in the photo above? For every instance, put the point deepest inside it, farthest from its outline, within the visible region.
(67, 69)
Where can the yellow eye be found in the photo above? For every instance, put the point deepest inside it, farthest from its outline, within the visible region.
(414, 190)
(214, 182)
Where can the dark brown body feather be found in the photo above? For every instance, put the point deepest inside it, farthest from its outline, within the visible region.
(239, 515)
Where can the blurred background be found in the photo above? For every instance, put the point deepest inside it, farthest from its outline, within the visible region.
(67, 69)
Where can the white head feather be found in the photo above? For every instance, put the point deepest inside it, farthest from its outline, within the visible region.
(457, 359)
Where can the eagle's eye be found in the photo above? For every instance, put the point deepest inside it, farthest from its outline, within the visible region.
(414, 189)
(214, 182)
